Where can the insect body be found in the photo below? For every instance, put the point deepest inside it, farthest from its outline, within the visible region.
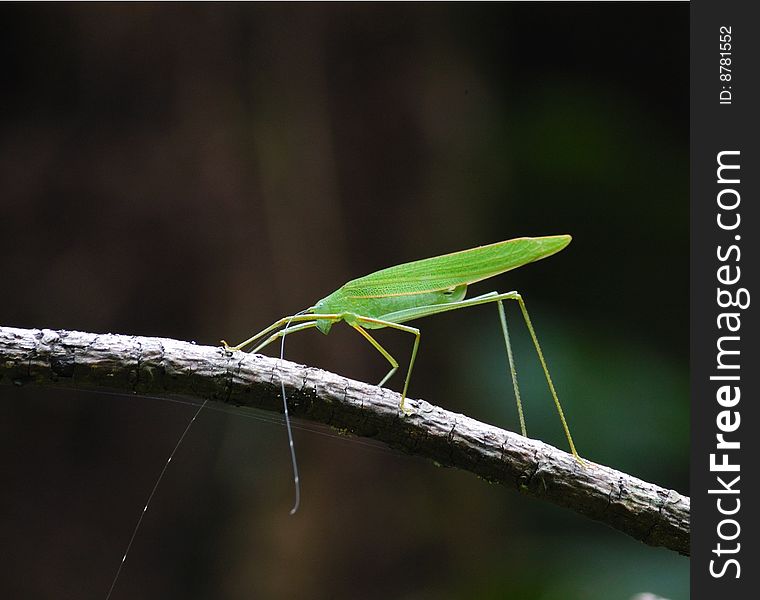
(396, 295)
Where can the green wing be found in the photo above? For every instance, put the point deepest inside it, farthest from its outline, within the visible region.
(451, 270)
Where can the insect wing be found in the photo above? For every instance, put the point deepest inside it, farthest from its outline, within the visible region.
(455, 269)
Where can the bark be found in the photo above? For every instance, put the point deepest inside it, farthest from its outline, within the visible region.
(159, 366)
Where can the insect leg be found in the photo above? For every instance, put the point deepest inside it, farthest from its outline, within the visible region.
(424, 311)
(381, 350)
(276, 325)
(416, 333)
(512, 370)
(283, 333)
(526, 317)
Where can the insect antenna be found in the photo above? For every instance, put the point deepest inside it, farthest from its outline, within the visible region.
(296, 478)
(150, 497)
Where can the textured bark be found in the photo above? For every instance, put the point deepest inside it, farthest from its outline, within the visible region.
(159, 366)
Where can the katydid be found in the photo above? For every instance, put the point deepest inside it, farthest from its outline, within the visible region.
(393, 296)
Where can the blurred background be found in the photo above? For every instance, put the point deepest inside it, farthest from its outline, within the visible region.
(199, 171)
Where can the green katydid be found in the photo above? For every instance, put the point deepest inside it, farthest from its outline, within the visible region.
(393, 296)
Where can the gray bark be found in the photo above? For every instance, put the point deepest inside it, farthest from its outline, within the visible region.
(159, 366)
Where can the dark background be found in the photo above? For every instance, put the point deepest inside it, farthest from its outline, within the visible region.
(198, 171)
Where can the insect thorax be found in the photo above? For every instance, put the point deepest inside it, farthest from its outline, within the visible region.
(345, 305)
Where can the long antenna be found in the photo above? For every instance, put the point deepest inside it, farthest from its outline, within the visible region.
(296, 478)
(150, 497)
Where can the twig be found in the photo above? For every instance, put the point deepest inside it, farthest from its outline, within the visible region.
(159, 366)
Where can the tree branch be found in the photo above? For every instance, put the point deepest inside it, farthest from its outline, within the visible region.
(159, 366)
